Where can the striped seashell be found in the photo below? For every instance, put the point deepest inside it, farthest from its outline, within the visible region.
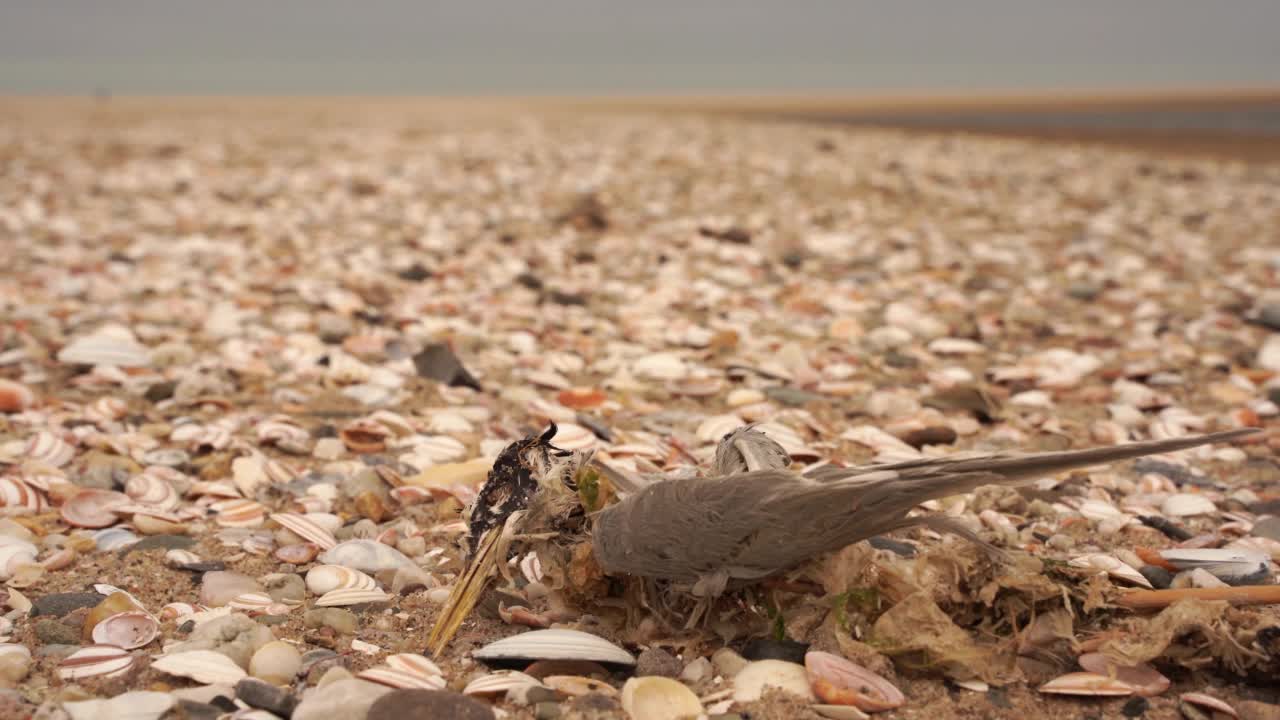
(114, 538)
(106, 409)
(351, 596)
(399, 425)
(323, 579)
(499, 682)
(306, 528)
(311, 504)
(254, 603)
(696, 386)
(175, 610)
(414, 663)
(258, 545)
(364, 436)
(42, 477)
(411, 495)
(15, 553)
(439, 449)
(127, 630)
(391, 677)
(211, 438)
(95, 661)
(15, 493)
(46, 448)
(165, 457)
(1112, 566)
(152, 491)
(555, 644)
(570, 436)
(203, 666)
(178, 558)
(239, 513)
(213, 488)
(109, 345)
(275, 432)
(92, 508)
(279, 473)
(714, 428)
(389, 475)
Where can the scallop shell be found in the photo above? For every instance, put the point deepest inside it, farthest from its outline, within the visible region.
(351, 596)
(127, 630)
(106, 409)
(419, 665)
(111, 345)
(659, 698)
(166, 457)
(258, 545)
(92, 508)
(392, 677)
(147, 489)
(1086, 683)
(46, 448)
(1111, 566)
(306, 528)
(500, 681)
(298, 553)
(94, 661)
(178, 558)
(239, 513)
(714, 428)
(16, 493)
(254, 603)
(323, 579)
(570, 436)
(203, 666)
(555, 644)
(837, 681)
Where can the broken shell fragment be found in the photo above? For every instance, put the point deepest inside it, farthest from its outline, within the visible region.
(203, 666)
(127, 630)
(576, 685)
(94, 661)
(837, 681)
(750, 682)
(239, 513)
(555, 644)
(659, 698)
(1114, 567)
(1087, 683)
(402, 679)
(1146, 680)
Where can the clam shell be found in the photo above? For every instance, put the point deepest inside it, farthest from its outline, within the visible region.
(127, 630)
(114, 539)
(1207, 701)
(107, 409)
(175, 610)
(1146, 680)
(14, 649)
(152, 491)
(351, 596)
(413, 663)
(659, 698)
(499, 681)
(297, 554)
(92, 508)
(570, 436)
(439, 449)
(15, 553)
(1086, 683)
(16, 493)
(204, 666)
(1187, 504)
(392, 677)
(239, 513)
(306, 528)
(1112, 566)
(555, 644)
(254, 603)
(837, 681)
(323, 579)
(112, 345)
(576, 685)
(95, 660)
(178, 558)
(48, 449)
(281, 430)
(166, 457)
(367, 556)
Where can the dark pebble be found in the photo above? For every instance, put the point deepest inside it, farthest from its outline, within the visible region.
(263, 695)
(438, 362)
(768, 649)
(1084, 290)
(59, 604)
(1157, 576)
(895, 359)
(897, 547)
(794, 397)
(540, 694)
(1269, 316)
(1135, 707)
(1266, 507)
(428, 705)
(160, 542)
(1169, 528)
(936, 435)
(204, 566)
(54, 632)
(415, 273)
(999, 697)
(656, 661)
(189, 710)
(160, 391)
(546, 711)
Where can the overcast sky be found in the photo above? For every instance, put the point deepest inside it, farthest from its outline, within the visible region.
(635, 46)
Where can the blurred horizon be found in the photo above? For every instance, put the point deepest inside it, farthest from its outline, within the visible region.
(663, 47)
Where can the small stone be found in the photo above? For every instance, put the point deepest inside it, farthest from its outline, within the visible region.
(219, 588)
(13, 669)
(595, 702)
(656, 661)
(1135, 707)
(437, 362)
(934, 435)
(275, 662)
(1267, 527)
(428, 705)
(328, 449)
(1084, 290)
(160, 542)
(1159, 578)
(59, 604)
(285, 587)
(263, 695)
(348, 698)
(1254, 710)
(105, 471)
(696, 671)
(546, 711)
(152, 525)
(191, 710)
(1269, 316)
(540, 694)
(160, 391)
(727, 662)
(55, 632)
(793, 397)
(412, 546)
(341, 621)
(768, 649)
(138, 705)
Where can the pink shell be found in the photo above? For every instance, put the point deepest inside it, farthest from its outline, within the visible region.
(1146, 680)
(127, 630)
(95, 660)
(148, 489)
(93, 508)
(47, 448)
(839, 682)
(16, 493)
(298, 553)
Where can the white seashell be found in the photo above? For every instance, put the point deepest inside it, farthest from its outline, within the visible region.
(48, 449)
(714, 428)
(150, 490)
(413, 663)
(1086, 683)
(392, 677)
(175, 610)
(307, 528)
(134, 705)
(18, 494)
(750, 682)
(660, 366)
(95, 660)
(281, 431)
(255, 603)
(838, 681)
(239, 513)
(1099, 510)
(367, 556)
(840, 712)
(351, 596)
(16, 650)
(323, 579)
(127, 630)
(555, 644)
(111, 345)
(204, 666)
(955, 346)
(659, 698)
(500, 681)
(531, 567)
(166, 457)
(577, 685)
(1146, 681)
(1186, 504)
(15, 553)
(178, 558)
(574, 437)
(1112, 566)
(742, 396)
(113, 539)
(439, 449)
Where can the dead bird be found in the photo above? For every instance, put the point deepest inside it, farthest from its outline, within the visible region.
(751, 519)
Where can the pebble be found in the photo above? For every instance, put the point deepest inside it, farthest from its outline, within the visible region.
(769, 649)
(59, 604)
(55, 632)
(347, 697)
(237, 636)
(1267, 527)
(1135, 707)
(221, 587)
(342, 621)
(1159, 578)
(161, 542)
(656, 661)
(546, 711)
(275, 662)
(728, 662)
(13, 669)
(1255, 710)
(139, 705)
(428, 705)
(266, 696)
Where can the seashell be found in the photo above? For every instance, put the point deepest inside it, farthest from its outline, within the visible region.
(15, 650)
(306, 528)
(500, 681)
(178, 558)
(739, 397)
(113, 539)
(714, 428)
(1114, 567)
(660, 366)
(298, 553)
(323, 579)
(392, 677)
(16, 493)
(839, 712)
(204, 666)
(254, 603)
(94, 661)
(570, 436)
(222, 489)
(60, 559)
(92, 508)
(410, 495)
(15, 397)
(152, 491)
(438, 449)
(363, 436)
(520, 615)
(258, 544)
(166, 457)
(555, 644)
(127, 630)
(659, 698)
(175, 610)
(1146, 680)
(581, 398)
(281, 431)
(531, 567)
(1206, 701)
(1187, 504)
(48, 449)
(750, 682)
(576, 685)
(696, 387)
(837, 681)
(367, 556)
(311, 505)
(109, 345)
(107, 409)
(239, 513)
(15, 553)
(351, 596)
(1086, 683)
